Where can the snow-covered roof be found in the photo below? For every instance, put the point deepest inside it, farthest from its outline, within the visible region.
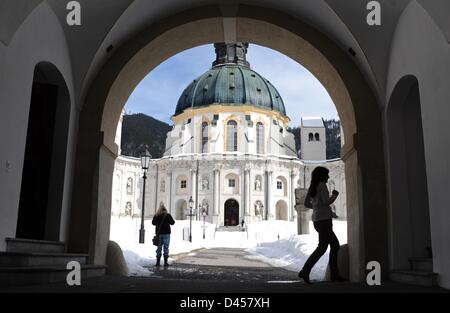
(312, 122)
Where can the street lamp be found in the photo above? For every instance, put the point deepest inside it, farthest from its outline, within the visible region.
(145, 162)
(204, 226)
(191, 205)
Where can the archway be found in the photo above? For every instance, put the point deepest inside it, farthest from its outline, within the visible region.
(44, 166)
(180, 208)
(409, 206)
(336, 69)
(231, 213)
(281, 211)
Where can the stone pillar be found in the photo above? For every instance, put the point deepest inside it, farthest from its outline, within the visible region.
(247, 193)
(216, 194)
(169, 191)
(303, 213)
(292, 197)
(193, 188)
(270, 207)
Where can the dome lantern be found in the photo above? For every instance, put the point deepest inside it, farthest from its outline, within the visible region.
(234, 53)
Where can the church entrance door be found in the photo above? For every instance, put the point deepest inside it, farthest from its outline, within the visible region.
(231, 213)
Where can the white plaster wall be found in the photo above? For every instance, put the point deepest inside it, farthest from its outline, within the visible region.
(419, 48)
(39, 38)
(313, 150)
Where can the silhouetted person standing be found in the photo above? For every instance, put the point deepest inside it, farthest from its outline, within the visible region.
(162, 220)
(320, 200)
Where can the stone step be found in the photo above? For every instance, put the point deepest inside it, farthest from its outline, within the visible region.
(36, 275)
(21, 259)
(414, 277)
(30, 245)
(421, 264)
(230, 228)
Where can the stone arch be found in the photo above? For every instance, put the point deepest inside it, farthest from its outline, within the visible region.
(180, 208)
(343, 78)
(281, 210)
(408, 191)
(231, 212)
(44, 167)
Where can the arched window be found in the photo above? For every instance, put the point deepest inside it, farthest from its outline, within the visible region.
(317, 136)
(310, 137)
(259, 138)
(232, 136)
(204, 146)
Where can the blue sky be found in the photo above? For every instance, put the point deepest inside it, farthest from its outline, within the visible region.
(303, 95)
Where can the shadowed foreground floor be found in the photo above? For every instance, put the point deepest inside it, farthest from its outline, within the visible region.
(218, 270)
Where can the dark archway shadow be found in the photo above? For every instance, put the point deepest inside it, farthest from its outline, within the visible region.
(408, 191)
(44, 167)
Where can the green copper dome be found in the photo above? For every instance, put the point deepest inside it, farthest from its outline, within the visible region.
(231, 82)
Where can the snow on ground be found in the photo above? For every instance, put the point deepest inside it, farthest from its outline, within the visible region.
(272, 242)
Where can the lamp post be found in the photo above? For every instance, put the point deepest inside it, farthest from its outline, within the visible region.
(191, 204)
(145, 162)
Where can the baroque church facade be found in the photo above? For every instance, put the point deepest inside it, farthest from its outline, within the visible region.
(230, 151)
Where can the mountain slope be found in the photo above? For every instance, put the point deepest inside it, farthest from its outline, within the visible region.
(139, 130)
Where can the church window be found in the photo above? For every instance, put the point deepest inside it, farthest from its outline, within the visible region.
(310, 137)
(183, 184)
(279, 185)
(232, 183)
(232, 136)
(204, 147)
(317, 136)
(259, 138)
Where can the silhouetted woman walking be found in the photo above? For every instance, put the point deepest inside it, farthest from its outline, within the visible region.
(319, 199)
(162, 220)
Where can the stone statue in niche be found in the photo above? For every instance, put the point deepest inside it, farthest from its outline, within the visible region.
(128, 209)
(130, 185)
(205, 183)
(205, 207)
(163, 186)
(258, 208)
(258, 183)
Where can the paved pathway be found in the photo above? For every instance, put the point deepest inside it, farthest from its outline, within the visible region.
(224, 264)
(216, 271)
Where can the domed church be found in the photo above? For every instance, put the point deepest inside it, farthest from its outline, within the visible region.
(229, 150)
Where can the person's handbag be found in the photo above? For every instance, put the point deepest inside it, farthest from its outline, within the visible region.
(156, 239)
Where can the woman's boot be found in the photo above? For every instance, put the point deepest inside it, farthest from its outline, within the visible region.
(166, 258)
(158, 259)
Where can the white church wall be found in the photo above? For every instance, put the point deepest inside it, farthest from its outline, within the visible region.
(289, 141)
(313, 150)
(40, 38)
(420, 48)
